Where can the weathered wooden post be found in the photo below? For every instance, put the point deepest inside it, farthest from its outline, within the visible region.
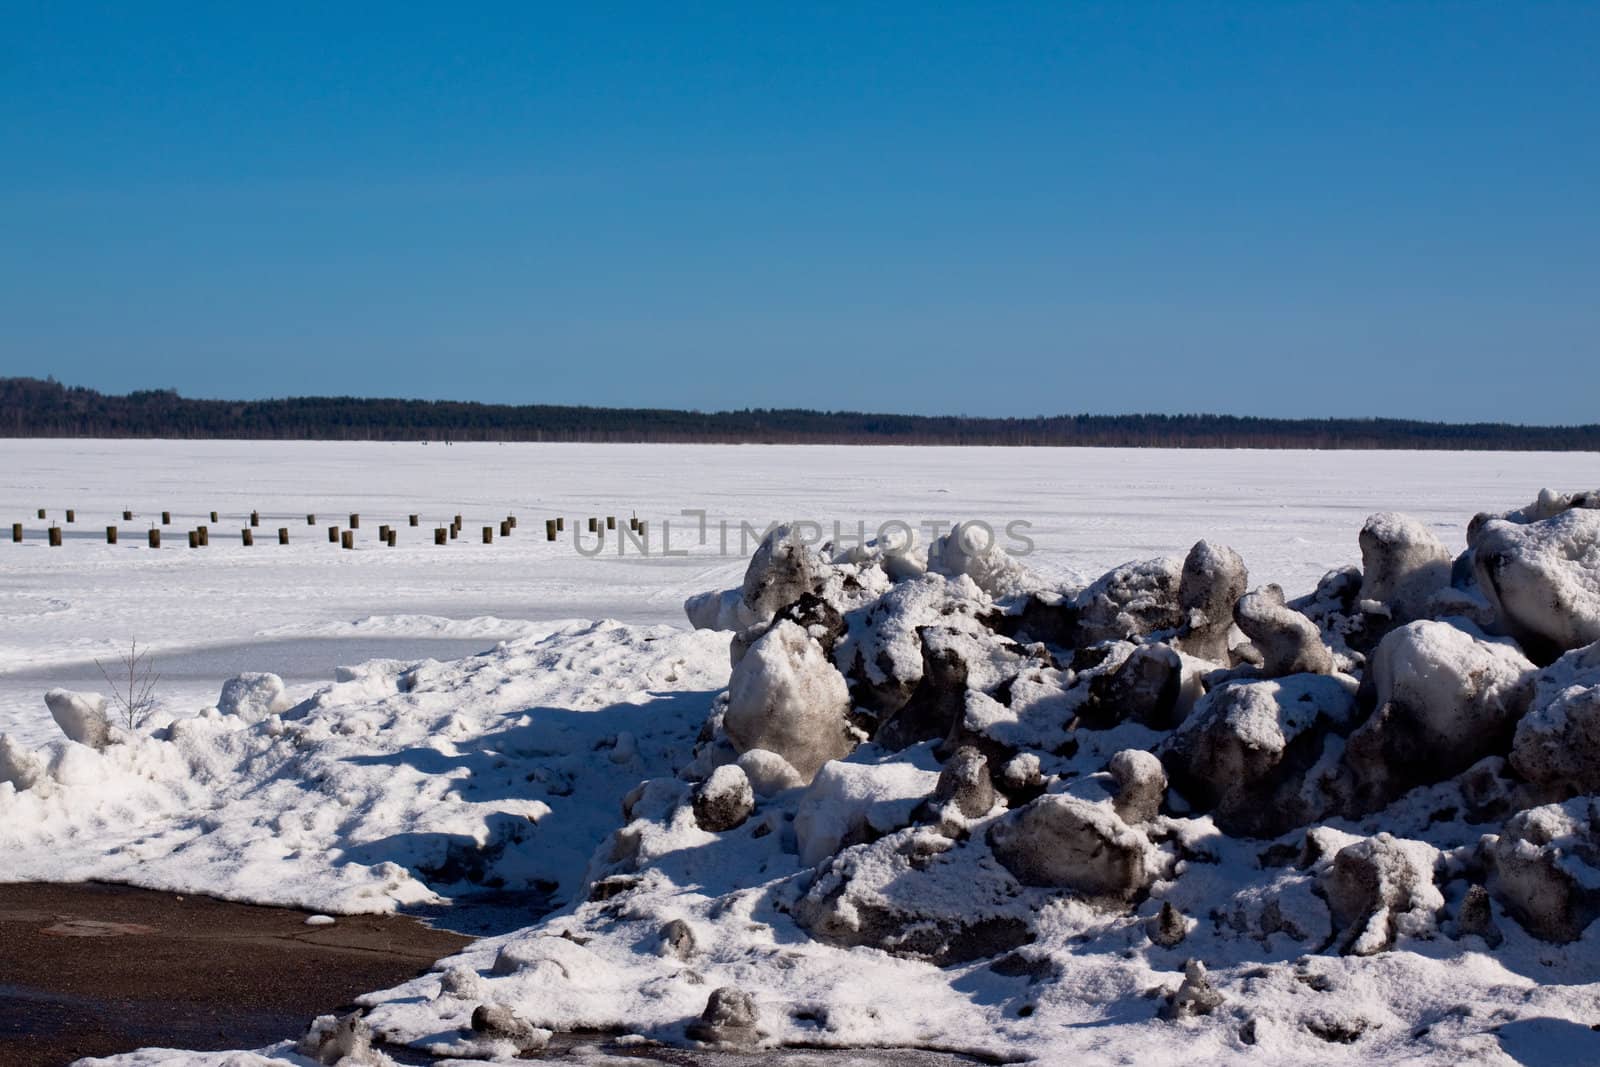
(549, 529)
(255, 518)
(505, 527)
(41, 513)
(283, 535)
(155, 537)
(394, 537)
(248, 536)
(205, 536)
(166, 518)
(561, 523)
(333, 535)
(440, 536)
(512, 519)
(355, 521)
(455, 531)
(488, 535)
(383, 531)
(16, 533)
(458, 522)
(194, 539)
(55, 537)
(127, 516)
(111, 535)
(347, 539)
(214, 517)
(311, 519)
(414, 520)
(611, 522)
(594, 524)
(72, 516)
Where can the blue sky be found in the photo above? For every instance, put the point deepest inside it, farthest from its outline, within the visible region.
(1263, 208)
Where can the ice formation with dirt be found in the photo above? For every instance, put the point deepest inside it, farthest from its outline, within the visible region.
(940, 803)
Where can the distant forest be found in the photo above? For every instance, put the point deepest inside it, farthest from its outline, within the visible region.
(30, 407)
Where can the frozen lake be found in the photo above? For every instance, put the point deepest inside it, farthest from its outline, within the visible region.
(212, 612)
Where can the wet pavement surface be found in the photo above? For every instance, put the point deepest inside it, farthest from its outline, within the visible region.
(91, 970)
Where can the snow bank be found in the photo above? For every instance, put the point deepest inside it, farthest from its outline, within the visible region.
(401, 783)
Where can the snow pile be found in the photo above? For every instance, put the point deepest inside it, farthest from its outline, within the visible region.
(952, 805)
(396, 784)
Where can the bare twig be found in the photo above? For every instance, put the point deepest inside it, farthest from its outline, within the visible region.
(133, 695)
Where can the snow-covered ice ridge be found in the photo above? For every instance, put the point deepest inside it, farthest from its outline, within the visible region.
(941, 802)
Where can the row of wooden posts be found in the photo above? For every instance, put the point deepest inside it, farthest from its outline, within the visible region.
(200, 536)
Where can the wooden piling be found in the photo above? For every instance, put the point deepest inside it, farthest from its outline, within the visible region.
(458, 522)
(394, 537)
(355, 521)
(505, 527)
(311, 519)
(347, 539)
(333, 535)
(111, 535)
(16, 533)
(512, 519)
(72, 516)
(205, 535)
(611, 522)
(561, 523)
(283, 535)
(383, 532)
(255, 518)
(127, 516)
(166, 518)
(488, 535)
(41, 513)
(154, 538)
(440, 536)
(194, 539)
(455, 531)
(55, 537)
(213, 519)
(414, 520)
(549, 529)
(594, 524)
(248, 536)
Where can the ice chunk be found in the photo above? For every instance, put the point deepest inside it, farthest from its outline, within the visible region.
(724, 800)
(851, 802)
(1543, 580)
(784, 696)
(1558, 740)
(81, 716)
(1445, 700)
(1063, 841)
(1403, 564)
(253, 696)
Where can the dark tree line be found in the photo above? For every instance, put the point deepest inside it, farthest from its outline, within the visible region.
(30, 407)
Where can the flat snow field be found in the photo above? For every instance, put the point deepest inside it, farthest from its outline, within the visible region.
(301, 610)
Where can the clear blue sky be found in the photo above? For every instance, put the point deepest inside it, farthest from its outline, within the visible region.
(1266, 208)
